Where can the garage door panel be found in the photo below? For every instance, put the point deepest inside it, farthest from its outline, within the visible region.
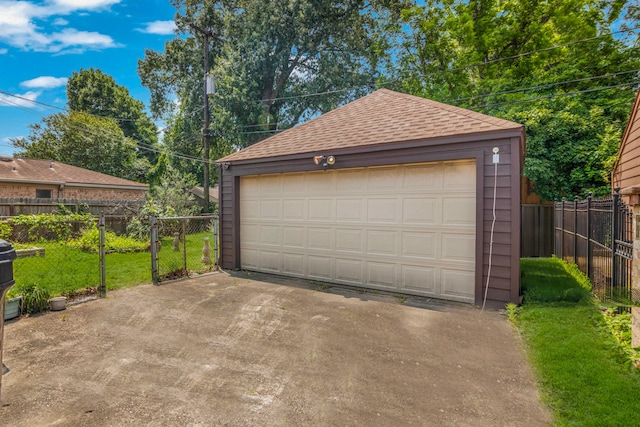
(349, 210)
(270, 184)
(408, 228)
(419, 278)
(352, 181)
(459, 211)
(458, 247)
(458, 175)
(423, 177)
(350, 240)
(293, 263)
(320, 239)
(250, 209)
(252, 234)
(271, 261)
(250, 258)
(420, 245)
(349, 270)
(321, 183)
(382, 210)
(270, 209)
(320, 209)
(381, 274)
(319, 267)
(270, 235)
(457, 284)
(294, 237)
(294, 209)
(381, 242)
(384, 178)
(295, 183)
(420, 210)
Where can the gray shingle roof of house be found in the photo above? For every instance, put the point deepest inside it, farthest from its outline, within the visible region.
(45, 171)
(381, 117)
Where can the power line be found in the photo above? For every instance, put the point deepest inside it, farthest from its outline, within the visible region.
(544, 86)
(522, 101)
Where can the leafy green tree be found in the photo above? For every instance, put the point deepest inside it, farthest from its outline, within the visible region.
(276, 63)
(85, 141)
(480, 54)
(93, 92)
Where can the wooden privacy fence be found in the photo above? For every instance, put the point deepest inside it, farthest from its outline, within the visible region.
(597, 235)
(10, 206)
(536, 231)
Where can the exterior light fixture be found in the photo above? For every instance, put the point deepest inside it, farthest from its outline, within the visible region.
(324, 160)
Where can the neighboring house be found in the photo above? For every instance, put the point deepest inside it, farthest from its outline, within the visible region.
(626, 170)
(390, 192)
(198, 193)
(44, 179)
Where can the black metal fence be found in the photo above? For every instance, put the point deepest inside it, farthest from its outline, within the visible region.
(596, 235)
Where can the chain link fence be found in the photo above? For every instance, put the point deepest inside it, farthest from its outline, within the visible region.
(85, 256)
(183, 246)
(46, 258)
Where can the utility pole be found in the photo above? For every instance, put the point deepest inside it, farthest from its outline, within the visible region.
(209, 89)
(205, 125)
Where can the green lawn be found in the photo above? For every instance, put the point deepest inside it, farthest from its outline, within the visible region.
(65, 269)
(585, 375)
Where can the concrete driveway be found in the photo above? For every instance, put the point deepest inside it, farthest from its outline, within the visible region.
(240, 349)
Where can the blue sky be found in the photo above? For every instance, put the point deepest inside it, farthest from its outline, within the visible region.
(43, 42)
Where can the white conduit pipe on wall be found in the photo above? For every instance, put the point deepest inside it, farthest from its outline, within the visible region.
(496, 160)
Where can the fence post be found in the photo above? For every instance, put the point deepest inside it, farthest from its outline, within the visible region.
(153, 246)
(575, 230)
(102, 289)
(562, 234)
(615, 227)
(589, 253)
(184, 245)
(215, 241)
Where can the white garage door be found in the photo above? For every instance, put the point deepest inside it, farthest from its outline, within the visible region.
(406, 228)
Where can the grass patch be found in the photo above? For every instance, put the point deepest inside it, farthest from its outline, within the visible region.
(585, 374)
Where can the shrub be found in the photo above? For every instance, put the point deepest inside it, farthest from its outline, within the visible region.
(90, 242)
(47, 227)
(5, 230)
(35, 298)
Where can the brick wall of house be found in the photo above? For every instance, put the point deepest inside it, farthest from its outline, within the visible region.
(28, 191)
(102, 194)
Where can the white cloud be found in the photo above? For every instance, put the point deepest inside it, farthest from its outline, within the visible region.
(159, 27)
(3, 51)
(23, 100)
(19, 26)
(45, 82)
(85, 4)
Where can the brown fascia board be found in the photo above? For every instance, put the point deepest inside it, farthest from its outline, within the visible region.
(444, 140)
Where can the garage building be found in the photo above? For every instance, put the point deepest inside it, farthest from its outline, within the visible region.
(391, 192)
